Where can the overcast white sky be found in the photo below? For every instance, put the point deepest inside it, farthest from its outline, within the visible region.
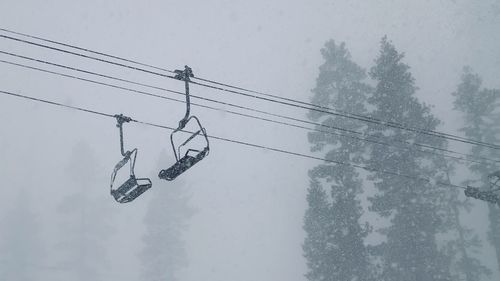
(250, 202)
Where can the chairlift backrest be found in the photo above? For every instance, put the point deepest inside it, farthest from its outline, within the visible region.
(186, 161)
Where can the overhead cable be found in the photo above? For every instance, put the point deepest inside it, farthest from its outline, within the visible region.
(85, 50)
(248, 144)
(468, 159)
(299, 104)
(417, 145)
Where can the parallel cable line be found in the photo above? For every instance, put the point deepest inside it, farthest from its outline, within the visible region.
(364, 119)
(86, 56)
(56, 103)
(83, 71)
(360, 117)
(283, 151)
(243, 107)
(170, 71)
(85, 50)
(305, 105)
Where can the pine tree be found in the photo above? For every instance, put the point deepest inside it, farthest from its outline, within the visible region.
(334, 245)
(85, 225)
(415, 208)
(166, 221)
(21, 248)
(480, 123)
(466, 243)
(317, 225)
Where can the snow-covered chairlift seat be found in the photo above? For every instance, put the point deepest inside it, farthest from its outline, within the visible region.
(133, 187)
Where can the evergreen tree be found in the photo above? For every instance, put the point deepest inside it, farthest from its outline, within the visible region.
(334, 245)
(416, 208)
(85, 219)
(166, 221)
(480, 123)
(21, 249)
(317, 224)
(466, 243)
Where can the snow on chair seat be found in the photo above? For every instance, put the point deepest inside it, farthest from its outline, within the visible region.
(182, 165)
(131, 189)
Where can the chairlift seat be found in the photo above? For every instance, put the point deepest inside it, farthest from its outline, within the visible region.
(182, 165)
(131, 189)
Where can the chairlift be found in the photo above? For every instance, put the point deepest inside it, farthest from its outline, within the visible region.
(494, 181)
(485, 195)
(490, 195)
(192, 155)
(133, 187)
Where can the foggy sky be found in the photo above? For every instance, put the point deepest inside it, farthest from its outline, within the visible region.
(249, 202)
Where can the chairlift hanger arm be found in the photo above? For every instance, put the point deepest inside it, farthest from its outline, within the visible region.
(120, 119)
(185, 75)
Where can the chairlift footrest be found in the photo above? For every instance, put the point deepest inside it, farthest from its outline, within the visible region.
(130, 190)
(182, 165)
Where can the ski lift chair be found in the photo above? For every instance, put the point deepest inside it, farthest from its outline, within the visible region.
(490, 195)
(133, 187)
(192, 155)
(487, 196)
(494, 181)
